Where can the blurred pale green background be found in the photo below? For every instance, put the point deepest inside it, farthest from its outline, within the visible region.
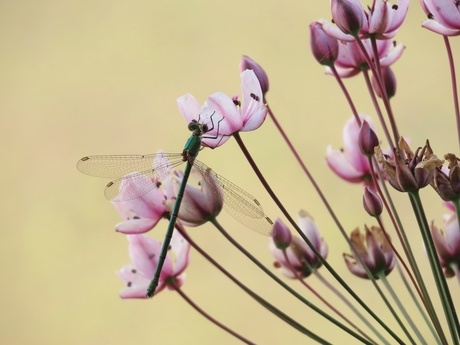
(102, 77)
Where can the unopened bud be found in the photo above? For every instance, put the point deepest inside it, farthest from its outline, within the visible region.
(248, 63)
(389, 82)
(325, 49)
(367, 139)
(348, 15)
(372, 202)
(283, 236)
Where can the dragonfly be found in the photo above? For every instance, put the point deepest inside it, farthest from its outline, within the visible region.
(156, 167)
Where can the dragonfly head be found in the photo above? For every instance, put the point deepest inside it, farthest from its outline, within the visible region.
(197, 128)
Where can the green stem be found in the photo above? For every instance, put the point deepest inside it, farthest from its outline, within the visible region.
(206, 315)
(256, 297)
(284, 285)
(395, 297)
(440, 280)
(321, 298)
(305, 238)
(417, 303)
(351, 306)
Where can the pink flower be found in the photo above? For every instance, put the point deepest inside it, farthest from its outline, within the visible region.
(301, 257)
(234, 116)
(199, 204)
(352, 61)
(376, 254)
(444, 16)
(142, 213)
(144, 252)
(350, 164)
(382, 21)
(448, 245)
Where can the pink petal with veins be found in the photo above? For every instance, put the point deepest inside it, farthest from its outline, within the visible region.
(445, 12)
(335, 32)
(189, 107)
(340, 164)
(379, 21)
(136, 226)
(438, 28)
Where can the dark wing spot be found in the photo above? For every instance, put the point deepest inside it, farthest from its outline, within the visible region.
(110, 184)
(84, 159)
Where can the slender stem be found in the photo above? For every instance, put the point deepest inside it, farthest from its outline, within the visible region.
(377, 109)
(395, 297)
(346, 94)
(209, 317)
(440, 280)
(322, 299)
(169, 232)
(385, 100)
(304, 237)
(284, 285)
(259, 299)
(351, 306)
(454, 83)
(394, 216)
(419, 307)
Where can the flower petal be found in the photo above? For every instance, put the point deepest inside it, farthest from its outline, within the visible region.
(189, 107)
(136, 226)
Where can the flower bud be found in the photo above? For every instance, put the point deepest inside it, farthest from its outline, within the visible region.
(282, 237)
(372, 202)
(248, 63)
(325, 49)
(348, 15)
(389, 82)
(367, 139)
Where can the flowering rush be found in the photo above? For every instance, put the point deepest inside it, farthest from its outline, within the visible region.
(383, 261)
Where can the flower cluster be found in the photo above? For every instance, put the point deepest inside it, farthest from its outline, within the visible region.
(357, 42)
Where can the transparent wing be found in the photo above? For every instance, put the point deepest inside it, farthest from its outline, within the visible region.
(238, 203)
(140, 172)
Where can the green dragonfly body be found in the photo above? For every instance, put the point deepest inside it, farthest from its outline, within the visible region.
(240, 204)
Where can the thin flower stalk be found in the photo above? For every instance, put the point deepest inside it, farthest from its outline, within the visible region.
(440, 280)
(259, 299)
(351, 306)
(454, 83)
(397, 224)
(293, 223)
(322, 299)
(385, 100)
(209, 317)
(417, 303)
(395, 297)
(284, 285)
(378, 110)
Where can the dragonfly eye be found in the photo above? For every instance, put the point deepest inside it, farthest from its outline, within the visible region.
(193, 125)
(205, 128)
